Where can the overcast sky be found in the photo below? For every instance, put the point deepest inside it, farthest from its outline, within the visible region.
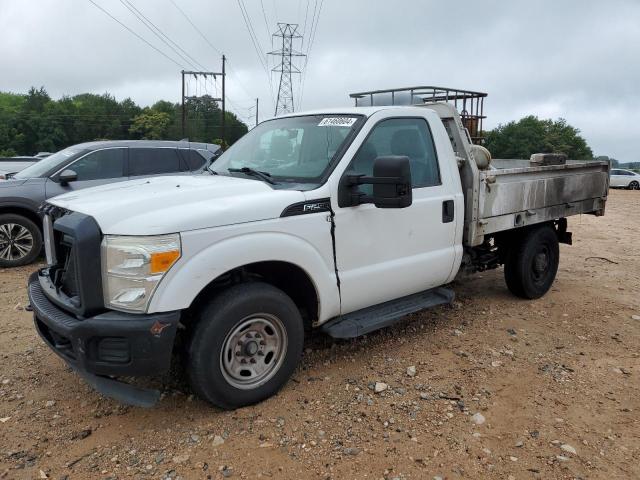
(573, 59)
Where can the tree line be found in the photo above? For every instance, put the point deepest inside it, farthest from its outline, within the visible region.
(34, 122)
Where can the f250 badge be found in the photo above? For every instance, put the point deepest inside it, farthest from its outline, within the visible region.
(310, 206)
(315, 207)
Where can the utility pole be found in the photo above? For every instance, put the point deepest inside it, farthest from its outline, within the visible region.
(184, 113)
(224, 101)
(288, 32)
(221, 100)
(257, 100)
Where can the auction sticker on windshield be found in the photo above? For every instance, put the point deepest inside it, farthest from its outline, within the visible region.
(337, 122)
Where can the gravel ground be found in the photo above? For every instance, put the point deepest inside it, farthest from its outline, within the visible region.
(493, 387)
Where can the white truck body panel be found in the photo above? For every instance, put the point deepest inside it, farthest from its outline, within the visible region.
(171, 204)
(384, 254)
(304, 241)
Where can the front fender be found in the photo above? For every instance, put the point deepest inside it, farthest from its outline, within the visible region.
(193, 272)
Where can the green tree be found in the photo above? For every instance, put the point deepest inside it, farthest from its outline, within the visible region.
(151, 125)
(531, 135)
(34, 121)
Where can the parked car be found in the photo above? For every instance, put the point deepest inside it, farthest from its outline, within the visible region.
(625, 179)
(82, 166)
(42, 155)
(344, 220)
(12, 165)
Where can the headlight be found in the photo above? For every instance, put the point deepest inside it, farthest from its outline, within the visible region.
(132, 267)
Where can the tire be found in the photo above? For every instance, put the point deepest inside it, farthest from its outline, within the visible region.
(532, 262)
(634, 185)
(224, 343)
(20, 240)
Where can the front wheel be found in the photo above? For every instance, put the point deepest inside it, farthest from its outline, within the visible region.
(634, 185)
(20, 240)
(532, 262)
(245, 345)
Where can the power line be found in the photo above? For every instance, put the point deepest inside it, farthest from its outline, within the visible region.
(162, 36)
(211, 45)
(195, 27)
(306, 15)
(306, 60)
(252, 33)
(312, 38)
(266, 22)
(247, 21)
(136, 34)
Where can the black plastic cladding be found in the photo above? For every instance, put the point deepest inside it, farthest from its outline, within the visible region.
(86, 238)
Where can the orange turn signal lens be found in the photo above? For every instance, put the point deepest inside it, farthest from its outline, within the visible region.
(162, 261)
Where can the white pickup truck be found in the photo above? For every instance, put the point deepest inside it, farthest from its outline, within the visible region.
(344, 220)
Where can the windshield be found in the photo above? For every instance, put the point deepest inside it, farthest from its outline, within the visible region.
(45, 165)
(293, 149)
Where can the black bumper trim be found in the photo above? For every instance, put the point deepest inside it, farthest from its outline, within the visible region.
(146, 342)
(121, 391)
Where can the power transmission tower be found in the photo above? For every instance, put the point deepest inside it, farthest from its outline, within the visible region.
(288, 32)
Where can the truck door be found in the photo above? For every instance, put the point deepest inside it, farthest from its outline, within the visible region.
(388, 253)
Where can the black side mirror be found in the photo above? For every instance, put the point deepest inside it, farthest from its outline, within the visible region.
(67, 176)
(391, 182)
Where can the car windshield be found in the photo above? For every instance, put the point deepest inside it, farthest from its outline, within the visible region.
(45, 165)
(289, 150)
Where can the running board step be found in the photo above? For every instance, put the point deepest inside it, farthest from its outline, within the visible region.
(379, 316)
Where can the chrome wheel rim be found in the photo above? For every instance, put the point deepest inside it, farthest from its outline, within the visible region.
(16, 242)
(253, 351)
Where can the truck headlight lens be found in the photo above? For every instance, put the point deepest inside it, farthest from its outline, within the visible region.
(132, 267)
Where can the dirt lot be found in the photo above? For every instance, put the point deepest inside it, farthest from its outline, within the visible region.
(557, 382)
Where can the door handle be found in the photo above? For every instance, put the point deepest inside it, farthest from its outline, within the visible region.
(448, 211)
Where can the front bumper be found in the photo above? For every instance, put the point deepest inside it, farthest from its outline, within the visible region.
(109, 344)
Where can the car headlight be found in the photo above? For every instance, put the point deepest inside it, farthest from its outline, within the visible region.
(132, 267)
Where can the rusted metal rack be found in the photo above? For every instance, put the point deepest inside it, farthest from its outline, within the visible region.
(470, 104)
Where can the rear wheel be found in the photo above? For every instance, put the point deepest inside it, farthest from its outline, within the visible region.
(532, 262)
(246, 344)
(20, 240)
(634, 185)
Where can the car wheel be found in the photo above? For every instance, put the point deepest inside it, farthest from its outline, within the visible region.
(634, 185)
(245, 345)
(532, 262)
(20, 240)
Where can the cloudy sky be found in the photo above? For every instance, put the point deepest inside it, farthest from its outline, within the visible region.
(573, 59)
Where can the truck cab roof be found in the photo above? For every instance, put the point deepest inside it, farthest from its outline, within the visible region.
(366, 111)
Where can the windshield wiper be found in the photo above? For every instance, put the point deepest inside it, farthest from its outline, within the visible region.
(255, 173)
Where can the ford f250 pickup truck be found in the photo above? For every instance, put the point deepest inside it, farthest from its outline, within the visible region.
(343, 220)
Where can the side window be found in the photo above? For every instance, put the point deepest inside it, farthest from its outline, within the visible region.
(408, 137)
(195, 160)
(153, 161)
(101, 164)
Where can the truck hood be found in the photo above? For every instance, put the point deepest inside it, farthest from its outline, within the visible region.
(159, 205)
